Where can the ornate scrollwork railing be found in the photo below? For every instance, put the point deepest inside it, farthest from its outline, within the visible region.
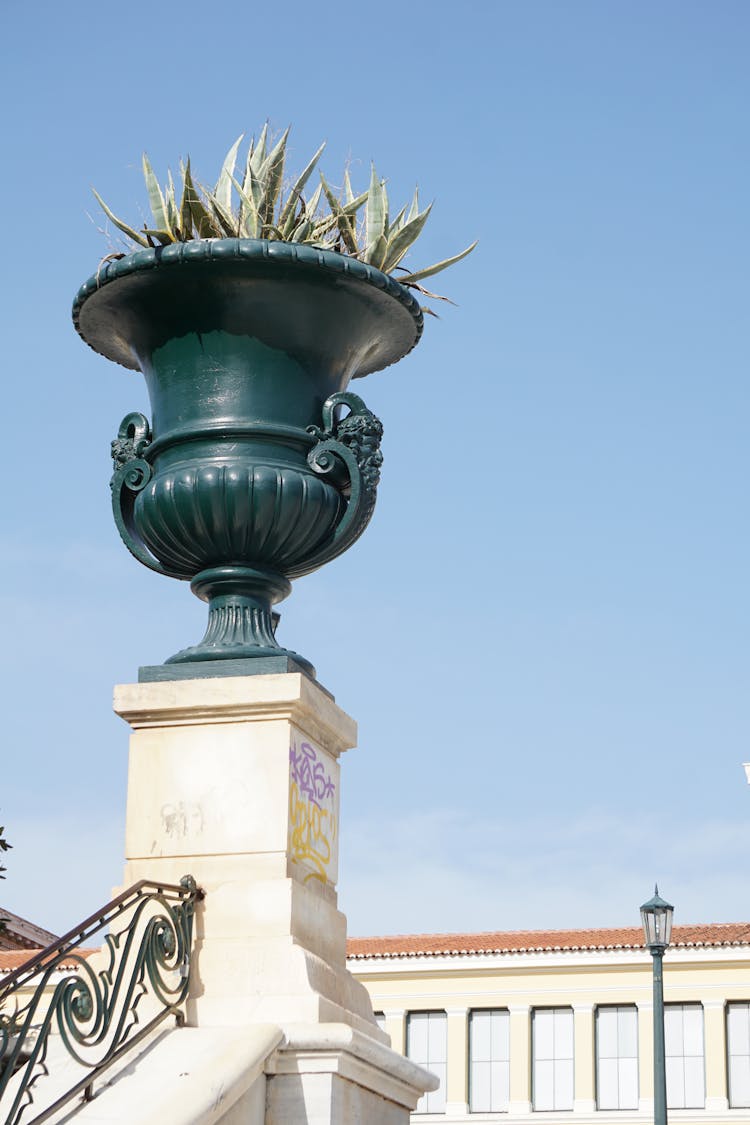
(66, 1016)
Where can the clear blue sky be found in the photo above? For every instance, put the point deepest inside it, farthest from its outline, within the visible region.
(544, 633)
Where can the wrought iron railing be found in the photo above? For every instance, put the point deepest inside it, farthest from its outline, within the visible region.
(64, 1004)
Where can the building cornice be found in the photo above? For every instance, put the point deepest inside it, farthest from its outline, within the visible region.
(575, 959)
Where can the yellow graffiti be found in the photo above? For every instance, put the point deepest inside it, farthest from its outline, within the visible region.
(312, 831)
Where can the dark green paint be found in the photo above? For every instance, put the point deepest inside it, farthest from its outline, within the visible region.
(257, 666)
(258, 466)
(218, 378)
(660, 1064)
(656, 916)
(95, 1015)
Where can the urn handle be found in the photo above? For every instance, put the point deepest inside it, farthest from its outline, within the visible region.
(132, 474)
(348, 450)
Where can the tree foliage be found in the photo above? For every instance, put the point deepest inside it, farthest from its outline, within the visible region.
(4, 847)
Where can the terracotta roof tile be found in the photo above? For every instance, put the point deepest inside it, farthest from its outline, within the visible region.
(13, 959)
(532, 941)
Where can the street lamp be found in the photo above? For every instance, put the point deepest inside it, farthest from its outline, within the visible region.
(656, 915)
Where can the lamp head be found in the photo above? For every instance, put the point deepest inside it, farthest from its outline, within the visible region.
(656, 915)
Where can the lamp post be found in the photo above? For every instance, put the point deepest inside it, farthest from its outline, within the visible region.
(656, 915)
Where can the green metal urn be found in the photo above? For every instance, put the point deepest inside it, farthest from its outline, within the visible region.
(258, 465)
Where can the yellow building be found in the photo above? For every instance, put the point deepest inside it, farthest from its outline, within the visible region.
(557, 1026)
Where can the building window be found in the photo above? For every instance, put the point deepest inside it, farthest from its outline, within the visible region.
(617, 1057)
(552, 1058)
(427, 1045)
(379, 1019)
(738, 1055)
(489, 1060)
(683, 1041)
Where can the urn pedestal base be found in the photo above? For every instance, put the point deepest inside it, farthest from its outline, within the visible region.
(199, 670)
(236, 780)
(241, 622)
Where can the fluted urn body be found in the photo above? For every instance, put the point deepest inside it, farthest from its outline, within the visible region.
(258, 465)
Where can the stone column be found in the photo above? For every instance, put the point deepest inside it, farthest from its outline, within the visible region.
(584, 1090)
(457, 1081)
(236, 781)
(520, 1059)
(715, 1046)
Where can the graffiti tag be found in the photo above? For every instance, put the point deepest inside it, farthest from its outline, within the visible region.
(312, 811)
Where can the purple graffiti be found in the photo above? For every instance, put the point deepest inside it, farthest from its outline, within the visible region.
(309, 773)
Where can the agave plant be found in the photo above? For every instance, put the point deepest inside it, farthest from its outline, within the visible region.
(258, 204)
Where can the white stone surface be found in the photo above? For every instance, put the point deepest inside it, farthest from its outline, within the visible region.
(332, 1073)
(180, 1076)
(236, 781)
(318, 1075)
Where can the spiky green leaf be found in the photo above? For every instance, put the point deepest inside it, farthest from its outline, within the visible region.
(224, 222)
(403, 239)
(344, 222)
(293, 218)
(249, 212)
(223, 189)
(133, 234)
(312, 204)
(408, 278)
(210, 222)
(173, 217)
(271, 176)
(298, 187)
(251, 198)
(434, 296)
(395, 226)
(272, 233)
(376, 213)
(186, 215)
(194, 212)
(301, 232)
(375, 252)
(348, 193)
(324, 225)
(354, 206)
(250, 223)
(414, 209)
(257, 152)
(155, 197)
(163, 237)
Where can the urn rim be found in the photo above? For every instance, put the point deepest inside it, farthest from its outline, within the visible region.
(262, 256)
